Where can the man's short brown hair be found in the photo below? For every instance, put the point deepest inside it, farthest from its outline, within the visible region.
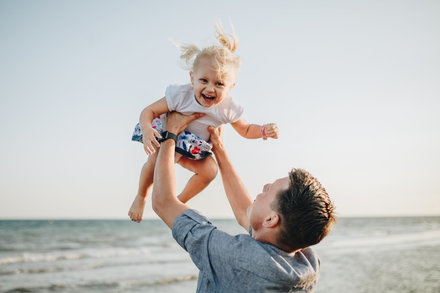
(305, 211)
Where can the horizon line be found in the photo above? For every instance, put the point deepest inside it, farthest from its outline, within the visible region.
(213, 218)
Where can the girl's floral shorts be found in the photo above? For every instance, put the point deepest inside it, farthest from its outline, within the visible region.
(188, 143)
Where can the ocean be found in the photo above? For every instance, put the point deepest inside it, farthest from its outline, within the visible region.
(396, 255)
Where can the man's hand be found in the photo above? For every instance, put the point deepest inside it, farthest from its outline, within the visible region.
(177, 122)
(216, 137)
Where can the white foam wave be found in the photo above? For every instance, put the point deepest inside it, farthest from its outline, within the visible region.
(383, 241)
(58, 256)
(39, 257)
(104, 285)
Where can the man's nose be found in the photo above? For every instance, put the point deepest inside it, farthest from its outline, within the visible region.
(265, 187)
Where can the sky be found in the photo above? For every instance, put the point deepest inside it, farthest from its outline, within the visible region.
(354, 87)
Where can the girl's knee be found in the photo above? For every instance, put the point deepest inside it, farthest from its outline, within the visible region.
(210, 170)
(151, 161)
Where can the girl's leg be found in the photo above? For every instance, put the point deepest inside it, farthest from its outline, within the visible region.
(145, 182)
(205, 171)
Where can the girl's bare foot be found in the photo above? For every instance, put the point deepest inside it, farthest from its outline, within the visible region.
(137, 208)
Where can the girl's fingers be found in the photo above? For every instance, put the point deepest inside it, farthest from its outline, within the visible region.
(156, 143)
(272, 134)
(149, 149)
(156, 134)
(272, 130)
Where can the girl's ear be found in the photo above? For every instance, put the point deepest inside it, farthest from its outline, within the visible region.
(192, 77)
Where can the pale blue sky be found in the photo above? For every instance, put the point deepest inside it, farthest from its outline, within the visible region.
(353, 85)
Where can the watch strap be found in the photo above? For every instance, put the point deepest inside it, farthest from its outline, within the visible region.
(168, 135)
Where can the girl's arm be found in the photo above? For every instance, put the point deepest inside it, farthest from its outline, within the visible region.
(148, 133)
(247, 130)
(254, 130)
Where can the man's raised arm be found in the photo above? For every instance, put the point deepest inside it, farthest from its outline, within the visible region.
(236, 192)
(165, 203)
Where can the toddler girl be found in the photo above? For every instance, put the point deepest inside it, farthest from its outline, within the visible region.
(213, 71)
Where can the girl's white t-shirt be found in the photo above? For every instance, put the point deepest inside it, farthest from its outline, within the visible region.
(180, 98)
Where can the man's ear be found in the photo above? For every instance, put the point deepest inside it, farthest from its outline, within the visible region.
(271, 221)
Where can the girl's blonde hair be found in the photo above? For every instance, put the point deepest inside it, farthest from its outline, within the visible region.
(225, 62)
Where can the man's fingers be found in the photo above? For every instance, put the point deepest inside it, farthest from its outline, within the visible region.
(195, 116)
(216, 132)
(220, 131)
(187, 119)
(211, 130)
(178, 121)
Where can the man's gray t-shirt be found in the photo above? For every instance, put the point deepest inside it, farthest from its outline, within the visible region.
(240, 263)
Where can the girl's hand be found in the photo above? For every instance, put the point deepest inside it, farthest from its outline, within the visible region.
(149, 139)
(270, 130)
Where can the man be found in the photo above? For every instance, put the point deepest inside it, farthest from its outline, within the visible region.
(289, 215)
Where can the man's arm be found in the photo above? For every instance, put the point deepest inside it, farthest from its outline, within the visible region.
(165, 203)
(236, 192)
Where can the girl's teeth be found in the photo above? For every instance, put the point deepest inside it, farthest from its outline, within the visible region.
(209, 98)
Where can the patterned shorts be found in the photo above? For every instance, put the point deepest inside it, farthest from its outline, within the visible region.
(188, 144)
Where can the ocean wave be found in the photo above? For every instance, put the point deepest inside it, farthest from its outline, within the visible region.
(385, 241)
(51, 288)
(43, 270)
(158, 282)
(103, 285)
(59, 256)
(40, 257)
(14, 247)
(171, 280)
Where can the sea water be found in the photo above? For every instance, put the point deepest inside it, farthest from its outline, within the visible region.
(359, 255)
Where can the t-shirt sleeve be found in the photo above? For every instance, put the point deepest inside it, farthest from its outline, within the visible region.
(171, 96)
(233, 112)
(209, 248)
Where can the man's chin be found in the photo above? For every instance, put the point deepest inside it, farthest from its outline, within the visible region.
(248, 211)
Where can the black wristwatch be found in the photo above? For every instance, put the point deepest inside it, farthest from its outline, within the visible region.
(167, 135)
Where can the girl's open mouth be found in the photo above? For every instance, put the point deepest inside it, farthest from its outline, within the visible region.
(208, 98)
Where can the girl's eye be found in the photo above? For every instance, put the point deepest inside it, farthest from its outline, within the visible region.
(203, 80)
(219, 84)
